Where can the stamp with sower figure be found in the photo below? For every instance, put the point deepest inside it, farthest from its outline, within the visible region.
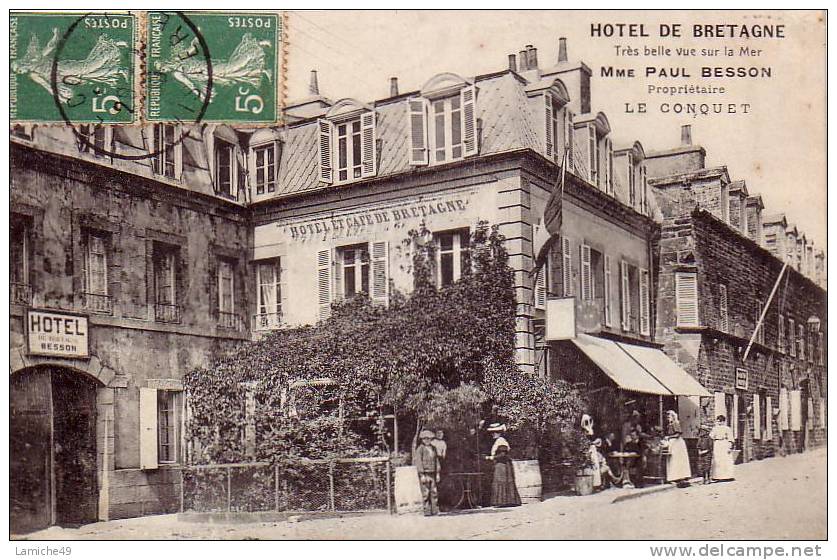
(212, 67)
(74, 68)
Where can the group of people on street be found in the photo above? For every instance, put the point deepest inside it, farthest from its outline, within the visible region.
(429, 459)
(626, 465)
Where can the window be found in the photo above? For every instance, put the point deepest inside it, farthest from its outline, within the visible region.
(269, 297)
(631, 181)
(643, 190)
(225, 168)
(94, 139)
(608, 170)
(168, 436)
(723, 313)
(625, 295)
(452, 256)
(820, 349)
(349, 151)
(791, 335)
(686, 299)
(781, 338)
(167, 151)
(445, 127)
(264, 167)
(800, 339)
(95, 272)
(21, 292)
(554, 128)
(166, 309)
(354, 261)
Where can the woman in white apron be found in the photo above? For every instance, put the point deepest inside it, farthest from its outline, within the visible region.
(677, 463)
(722, 443)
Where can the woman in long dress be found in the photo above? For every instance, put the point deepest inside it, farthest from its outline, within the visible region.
(503, 487)
(722, 443)
(677, 462)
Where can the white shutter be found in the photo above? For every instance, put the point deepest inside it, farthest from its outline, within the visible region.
(784, 410)
(724, 309)
(686, 299)
(756, 416)
(148, 428)
(626, 296)
(469, 120)
(610, 188)
(644, 303)
(586, 278)
(721, 404)
(380, 272)
(283, 288)
(324, 151)
(540, 283)
(567, 268)
(734, 417)
(592, 149)
(607, 284)
(324, 283)
(796, 410)
(781, 341)
(549, 149)
(768, 427)
(369, 156)
(417, 115)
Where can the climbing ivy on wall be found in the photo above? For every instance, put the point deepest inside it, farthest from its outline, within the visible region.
(435, 356)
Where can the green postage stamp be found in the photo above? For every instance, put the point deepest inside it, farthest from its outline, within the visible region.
(74, 68)
(212, 67)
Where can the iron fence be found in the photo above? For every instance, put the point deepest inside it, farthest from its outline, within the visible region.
(355, 484)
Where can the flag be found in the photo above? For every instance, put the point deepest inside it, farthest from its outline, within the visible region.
(552, 217)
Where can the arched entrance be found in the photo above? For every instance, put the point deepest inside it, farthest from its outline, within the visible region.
(52, 435)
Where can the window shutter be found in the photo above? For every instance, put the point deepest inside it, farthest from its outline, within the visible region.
(568, 136)
(610, 188)
(607, 283)
(686, 299)
(324, 150)
(567, 272)
(148, 428)
(369, 151)
(591, 156)
(781, 339)
(283, 288)
(757, 416)
(644, 303)
(380, 272)
(418, 131)
(586, 279)
(734, 416)
(723, 323)
(549, 149)
(324, 295)
(469, 120)
(626, 296)
(784, 406)
(768, 426)
(540, 289)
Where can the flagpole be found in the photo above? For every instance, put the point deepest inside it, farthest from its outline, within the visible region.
(764, 312)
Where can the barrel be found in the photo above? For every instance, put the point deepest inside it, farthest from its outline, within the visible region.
(584, 482)
(527, 476)
(408, 491)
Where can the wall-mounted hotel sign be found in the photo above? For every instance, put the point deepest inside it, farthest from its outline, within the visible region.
(50, 333)
(741, 378)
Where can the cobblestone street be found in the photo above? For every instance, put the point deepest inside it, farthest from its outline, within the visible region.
(779, 498)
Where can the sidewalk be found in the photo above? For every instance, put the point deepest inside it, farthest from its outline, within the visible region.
(801, 475)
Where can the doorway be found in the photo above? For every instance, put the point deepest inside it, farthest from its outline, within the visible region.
(52, 449)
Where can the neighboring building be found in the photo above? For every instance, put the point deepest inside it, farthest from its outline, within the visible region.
(145, 263)
(713, 283)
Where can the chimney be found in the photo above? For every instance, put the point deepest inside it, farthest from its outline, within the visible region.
(313, 86)
(393, 87)
(522, 58)
(512, 63)
(531, 57)
(686, 135)
(562, 50)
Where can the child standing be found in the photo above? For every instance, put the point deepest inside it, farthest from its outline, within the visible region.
(704, 449)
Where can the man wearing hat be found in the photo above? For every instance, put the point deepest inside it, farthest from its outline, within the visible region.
(426, 460)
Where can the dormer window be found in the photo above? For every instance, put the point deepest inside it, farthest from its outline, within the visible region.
(225, 168)
(167, 151)
(94, 139)
(442, 121)
(347, 143)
